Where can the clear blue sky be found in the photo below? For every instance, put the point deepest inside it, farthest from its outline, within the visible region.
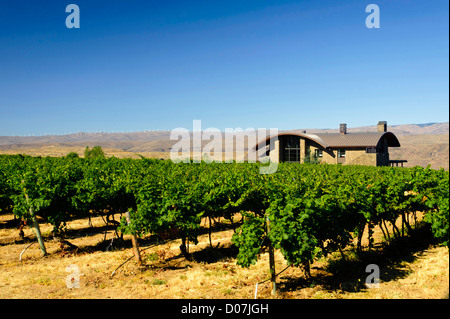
(144, 65)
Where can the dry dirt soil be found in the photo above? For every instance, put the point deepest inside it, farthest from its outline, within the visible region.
(412, 269)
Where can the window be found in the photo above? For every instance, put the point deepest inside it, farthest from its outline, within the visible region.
(341, 153)
(371, 149)
(319, 153)
(291, 152)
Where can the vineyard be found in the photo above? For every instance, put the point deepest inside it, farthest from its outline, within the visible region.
(305, 212)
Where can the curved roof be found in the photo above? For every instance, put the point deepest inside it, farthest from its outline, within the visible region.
(312, 137)
(370, 139)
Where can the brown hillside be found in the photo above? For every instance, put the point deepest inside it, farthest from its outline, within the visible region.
(421, 144)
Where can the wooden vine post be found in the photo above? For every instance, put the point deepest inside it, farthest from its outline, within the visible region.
(36, 228)
(134, 241)
(271, 262)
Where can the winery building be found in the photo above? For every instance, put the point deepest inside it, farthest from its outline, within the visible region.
(370, 148)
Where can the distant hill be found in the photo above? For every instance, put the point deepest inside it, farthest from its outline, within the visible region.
(423, 149)
(403, 129)
(421, 144)
(417, 129)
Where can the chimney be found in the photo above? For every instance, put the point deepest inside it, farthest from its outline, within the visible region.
(382, 126)
(343, 128)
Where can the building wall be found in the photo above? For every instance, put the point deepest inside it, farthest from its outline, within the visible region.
(303, 148)
(352, 156)
(329, 157)
(382, 153)
(360, 157)
(274, 154)
(383, 159)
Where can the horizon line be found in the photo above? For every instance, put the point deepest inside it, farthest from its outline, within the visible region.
(191, 131)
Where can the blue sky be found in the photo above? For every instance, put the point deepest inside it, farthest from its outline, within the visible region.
(158, 65)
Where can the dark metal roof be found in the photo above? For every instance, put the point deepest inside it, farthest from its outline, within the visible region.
(370, 139)
(348, 140)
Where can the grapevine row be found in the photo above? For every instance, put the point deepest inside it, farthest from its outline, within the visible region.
(305, 210)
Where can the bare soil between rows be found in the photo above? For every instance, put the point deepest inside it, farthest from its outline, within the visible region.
(413, 267)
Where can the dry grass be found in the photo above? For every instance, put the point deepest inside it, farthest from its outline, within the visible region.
(58, 151)
(421, 273)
